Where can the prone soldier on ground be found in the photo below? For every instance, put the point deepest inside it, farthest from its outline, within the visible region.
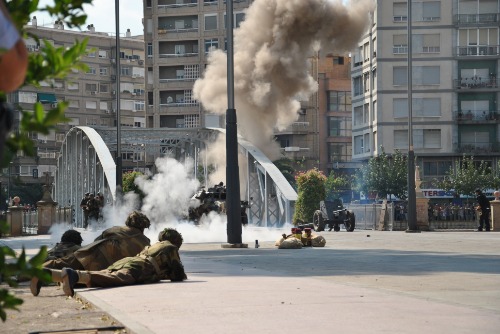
(71, 240)
(160, 261)
(113, 244)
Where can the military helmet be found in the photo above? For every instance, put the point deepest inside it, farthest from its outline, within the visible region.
(171, 234)
(138, 220)
(72, 236)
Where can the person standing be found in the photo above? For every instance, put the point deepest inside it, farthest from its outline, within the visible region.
(484, 211)
(86, 211)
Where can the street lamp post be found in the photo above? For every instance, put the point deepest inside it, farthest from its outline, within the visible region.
(412, 205)
(119, 182)
(233, 200)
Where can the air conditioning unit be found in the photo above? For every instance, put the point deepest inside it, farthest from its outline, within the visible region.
(113, 77)
(292, 149)
(113, 110)
(133, 94)
(112, 60)
(141, 62)
(107, 111)
(113, 92)
(93, 92)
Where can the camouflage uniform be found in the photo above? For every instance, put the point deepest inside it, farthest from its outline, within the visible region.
(154, 263)
(113, 244)
(93, 207)
(83, 205)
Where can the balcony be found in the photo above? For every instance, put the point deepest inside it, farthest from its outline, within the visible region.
(294, 128)
(477, 51)
(179, 59)
(476, 116)
(476, 19)
(296, 153)
(176, 83)
(170, 6)
(476, 83)
(181, 33)
(478, 148)
(179, 108)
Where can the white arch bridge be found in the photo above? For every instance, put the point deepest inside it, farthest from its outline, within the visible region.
(86, 164)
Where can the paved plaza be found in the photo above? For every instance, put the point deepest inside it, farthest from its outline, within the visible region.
(361, 282)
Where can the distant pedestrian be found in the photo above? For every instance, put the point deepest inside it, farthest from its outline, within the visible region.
(484, 211)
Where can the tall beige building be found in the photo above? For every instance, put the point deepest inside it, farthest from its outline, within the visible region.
(455, 83)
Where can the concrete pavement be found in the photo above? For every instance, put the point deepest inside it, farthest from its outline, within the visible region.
(361, 282)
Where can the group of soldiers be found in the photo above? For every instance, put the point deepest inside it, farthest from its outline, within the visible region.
(121, 255)
(92, 208)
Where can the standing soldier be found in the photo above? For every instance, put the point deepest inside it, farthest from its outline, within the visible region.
(83, 205)
(484, 211)
(93, 207)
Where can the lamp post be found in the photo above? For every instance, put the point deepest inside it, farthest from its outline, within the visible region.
(412, 205)
(119, 182)
(233, 200)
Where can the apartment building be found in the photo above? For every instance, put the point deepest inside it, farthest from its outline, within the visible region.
(91, 95)
(455, 65)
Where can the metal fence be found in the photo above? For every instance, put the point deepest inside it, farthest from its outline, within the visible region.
(63, 215)
(368, 215)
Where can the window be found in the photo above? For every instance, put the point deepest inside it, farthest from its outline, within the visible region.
(426, 43)
(91, 105)
(125, 71)
(150, 50)
(422, 75)
(400, 44)
(91, 70)
(358, 115)
(338, 60)
(91, 87)
(357, 86)
(358, 144)
(138, 105)
(91, 53)
(436, 168)
(180, 49)
(399, 76)
(103, 88)
(421, 107)
(432, 138)
(366, 81)
(427, 11)
(339, 101)
(401, 139)
(103, 71)
(211, 44)
(333, 126)
(400, 12)
(339, 152)
(210, 22)
(237, 19)
(103, 54)
(339, 126)
(73, 86)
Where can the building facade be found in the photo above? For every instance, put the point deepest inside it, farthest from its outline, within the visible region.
(455, 64)
(91, 96)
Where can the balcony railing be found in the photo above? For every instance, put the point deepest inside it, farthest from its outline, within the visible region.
(473, 19)
(177, 55)
(177, 5)
(477, 50)
(165, 30)
(476, 83)
(164, 80)
(476, 116)
(478, 147)
(296, 127)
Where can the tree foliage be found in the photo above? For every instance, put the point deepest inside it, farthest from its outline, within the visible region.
(48, 64)
(336, 183)
(384, 175)
(466, 175)
(129, 183)
(310, 191)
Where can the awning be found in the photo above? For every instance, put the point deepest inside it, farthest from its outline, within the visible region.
(47, 98)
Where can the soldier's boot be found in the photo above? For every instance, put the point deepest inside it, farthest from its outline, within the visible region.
(71, 277)
(36, 283)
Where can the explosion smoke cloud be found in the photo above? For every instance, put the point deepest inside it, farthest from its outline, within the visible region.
(271, 51)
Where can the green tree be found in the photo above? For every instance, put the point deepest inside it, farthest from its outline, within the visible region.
(129, 183)
(48, 64)
(466, 175)
(336, 183)
(310, 191)
(384, 175)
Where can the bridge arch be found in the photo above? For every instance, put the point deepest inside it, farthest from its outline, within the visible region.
(86, 163)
